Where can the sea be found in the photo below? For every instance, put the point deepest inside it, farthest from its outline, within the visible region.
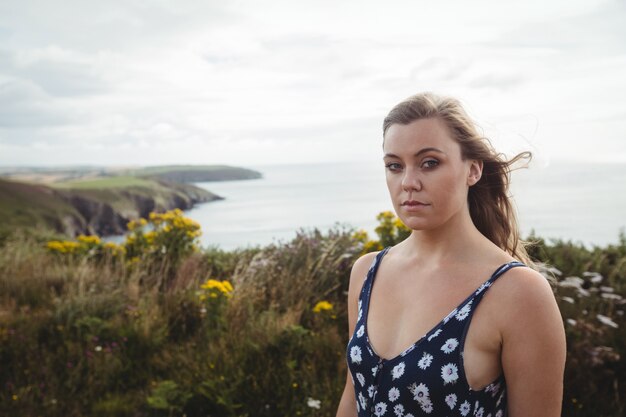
(581, 203)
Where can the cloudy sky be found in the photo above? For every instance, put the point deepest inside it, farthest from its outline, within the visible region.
(260, 82)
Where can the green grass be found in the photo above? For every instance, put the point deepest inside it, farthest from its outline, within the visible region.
(106, 182)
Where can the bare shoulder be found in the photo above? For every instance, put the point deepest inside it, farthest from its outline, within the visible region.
(523, 295)
(524, 284)
(359, 270)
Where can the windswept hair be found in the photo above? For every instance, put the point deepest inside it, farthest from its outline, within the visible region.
(490, 206)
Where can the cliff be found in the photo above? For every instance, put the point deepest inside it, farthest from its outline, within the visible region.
(101, 206)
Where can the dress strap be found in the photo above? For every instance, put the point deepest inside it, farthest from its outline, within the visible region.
(369, 278)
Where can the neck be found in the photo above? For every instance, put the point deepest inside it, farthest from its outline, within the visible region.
(456, 240)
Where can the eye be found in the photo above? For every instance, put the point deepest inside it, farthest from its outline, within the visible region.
(430, 163)
(393, 166)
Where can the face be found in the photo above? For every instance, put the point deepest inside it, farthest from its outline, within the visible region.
(427, 180)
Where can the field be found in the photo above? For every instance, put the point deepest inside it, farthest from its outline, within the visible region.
(105, 182)
(160, 327)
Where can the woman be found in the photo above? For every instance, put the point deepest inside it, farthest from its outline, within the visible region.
(412, 349)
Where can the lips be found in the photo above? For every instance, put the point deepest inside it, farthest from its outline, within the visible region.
(412, 203)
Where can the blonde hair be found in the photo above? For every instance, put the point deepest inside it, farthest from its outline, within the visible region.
(490, 206)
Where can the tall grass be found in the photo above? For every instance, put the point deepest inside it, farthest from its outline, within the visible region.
(109, 336)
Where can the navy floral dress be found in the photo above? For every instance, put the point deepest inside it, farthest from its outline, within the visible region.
(427, 378)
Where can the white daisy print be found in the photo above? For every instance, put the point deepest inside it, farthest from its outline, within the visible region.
(394, 394)
(409, 415)
(370, 391)
(462, 314)
(362, 400)
(355, 354)
(420, 392)
(398, 410)
(464, 408)
(450, 345)
(427, 406)
(397, 371)
(361, 330)
(361, 378)
(437, 332)
(374, 370)
(480, 412)
(451, 401)
(426, 360)
(380, 409)
(499, 413)
(449, 373)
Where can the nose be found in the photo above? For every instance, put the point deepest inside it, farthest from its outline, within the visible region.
(411, 181)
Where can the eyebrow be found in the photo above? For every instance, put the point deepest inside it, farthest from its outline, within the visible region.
(418, 153)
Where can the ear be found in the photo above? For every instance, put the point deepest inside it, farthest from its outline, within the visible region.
(475, 172)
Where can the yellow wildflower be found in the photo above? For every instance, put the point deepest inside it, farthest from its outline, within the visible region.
(212, 285)
(360, 235)
(89, 240)
(322, 306)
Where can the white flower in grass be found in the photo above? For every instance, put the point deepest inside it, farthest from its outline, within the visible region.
(394, 394)
(313, 403)
(355, 354)
(464, 409)
(451, 401)
(380, 409)
(362, 400)
(437, 332)
(397, 371)
(361, 330)
(450, 345)
(361, 378)
(427, 406)
(420, 392)
(398, 410)
(464, 312)
(370, 391)
(426, 360)
(606, 320)
(449, 373)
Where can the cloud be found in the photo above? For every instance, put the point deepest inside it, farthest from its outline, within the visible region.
(25, 105)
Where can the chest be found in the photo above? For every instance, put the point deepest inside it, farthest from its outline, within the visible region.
(402, 310)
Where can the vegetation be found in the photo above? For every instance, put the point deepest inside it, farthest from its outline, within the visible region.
(157, 326)
(101, 205)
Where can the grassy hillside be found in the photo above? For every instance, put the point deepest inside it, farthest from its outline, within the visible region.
(101, 205)
(197, 173)
(176, 173)
(33, 205)
(106, 182)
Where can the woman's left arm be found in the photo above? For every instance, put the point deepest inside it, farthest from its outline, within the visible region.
(533, 346)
